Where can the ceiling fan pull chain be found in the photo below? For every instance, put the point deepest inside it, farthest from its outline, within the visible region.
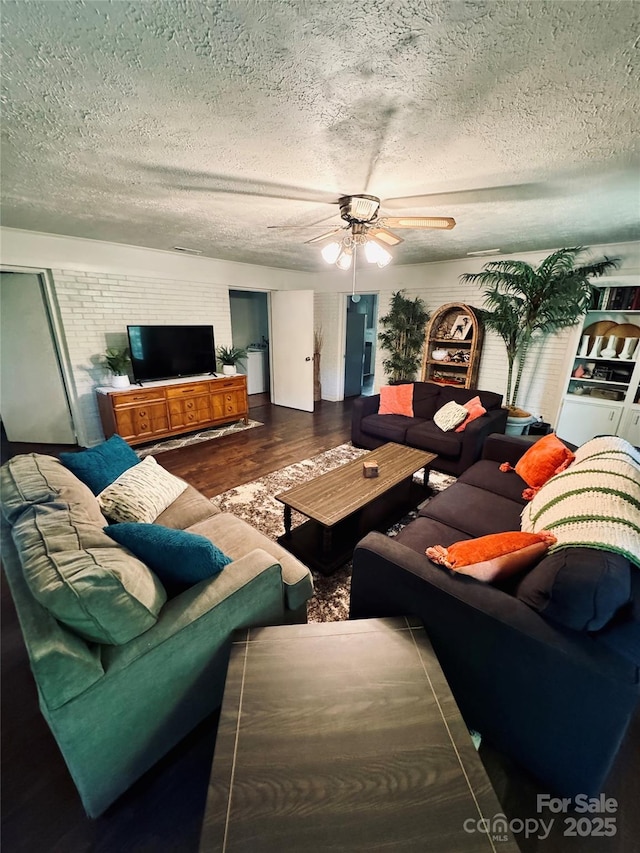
(354, 296)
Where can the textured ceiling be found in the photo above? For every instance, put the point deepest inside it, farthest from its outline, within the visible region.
(199, 124)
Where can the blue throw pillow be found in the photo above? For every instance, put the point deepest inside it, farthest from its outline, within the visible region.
(177, 557)
(99, 466)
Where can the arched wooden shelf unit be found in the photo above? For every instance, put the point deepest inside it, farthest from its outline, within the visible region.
(455, 329)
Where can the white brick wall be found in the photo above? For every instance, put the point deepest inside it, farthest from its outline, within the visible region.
(96, 308)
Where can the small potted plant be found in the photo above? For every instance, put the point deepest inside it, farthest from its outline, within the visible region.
(117, 360)
(229, 357)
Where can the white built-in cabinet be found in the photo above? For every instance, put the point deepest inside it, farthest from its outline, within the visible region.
(601, 387)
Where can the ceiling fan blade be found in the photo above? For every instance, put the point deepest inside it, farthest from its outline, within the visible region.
(385, 236)
(325, 236)
(444, 222)
(509, 192)
(307, 225)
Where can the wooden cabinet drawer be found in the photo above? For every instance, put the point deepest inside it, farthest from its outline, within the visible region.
(138, 421)
(228, 403)
(237, 382)
(132, 398)
(189, 412)
(178, 391)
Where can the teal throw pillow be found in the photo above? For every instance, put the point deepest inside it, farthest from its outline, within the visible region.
(99, 466)
(177, 557)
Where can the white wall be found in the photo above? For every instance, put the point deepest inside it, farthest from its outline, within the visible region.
(439, 283)
(100, 287)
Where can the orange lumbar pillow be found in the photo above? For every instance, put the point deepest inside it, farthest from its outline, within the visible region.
(475, 409)
(542, 460)
(396, 400)
(493, 557)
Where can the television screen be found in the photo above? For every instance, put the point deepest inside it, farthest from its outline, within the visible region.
(166, 352)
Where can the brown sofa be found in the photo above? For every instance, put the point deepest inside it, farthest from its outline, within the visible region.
(456, 451)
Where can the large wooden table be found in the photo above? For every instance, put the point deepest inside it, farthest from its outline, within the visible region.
(344, 736)
(343, 505)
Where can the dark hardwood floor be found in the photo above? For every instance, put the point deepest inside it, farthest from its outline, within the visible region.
(163, 811)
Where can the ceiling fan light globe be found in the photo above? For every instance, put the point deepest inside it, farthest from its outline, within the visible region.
(344, 259)
(331, 251)
(377, 254)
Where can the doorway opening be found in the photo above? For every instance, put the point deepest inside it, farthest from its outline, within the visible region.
(250, 331)
(360, 345)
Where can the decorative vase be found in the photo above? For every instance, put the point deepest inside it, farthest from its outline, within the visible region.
(229, 369)
(610, 350)
(439, 354)
(595, 349)
(584, 346)
(317, 386)
(628, 348)
(118, 381)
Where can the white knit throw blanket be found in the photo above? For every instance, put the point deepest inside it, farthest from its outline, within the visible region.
(594, 502)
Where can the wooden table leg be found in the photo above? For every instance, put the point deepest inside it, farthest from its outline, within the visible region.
(287, 521)
(326, 540)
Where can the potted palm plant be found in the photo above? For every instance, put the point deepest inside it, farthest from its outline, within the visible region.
(525, 304)
(229, 358)
(117, 360)
(403, 337)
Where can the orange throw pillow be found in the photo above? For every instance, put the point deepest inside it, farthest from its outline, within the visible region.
(475, 409)
(542, 460)
(493, 557)
(396, 400)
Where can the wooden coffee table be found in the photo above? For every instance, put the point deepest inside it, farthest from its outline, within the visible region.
(344, 736)
(343, 505)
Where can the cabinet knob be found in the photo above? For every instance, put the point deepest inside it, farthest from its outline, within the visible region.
(142, 414)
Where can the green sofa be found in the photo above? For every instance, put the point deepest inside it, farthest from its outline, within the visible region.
(115, 708)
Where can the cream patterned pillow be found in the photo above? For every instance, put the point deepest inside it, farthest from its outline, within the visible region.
(141, 493)
(450, 416)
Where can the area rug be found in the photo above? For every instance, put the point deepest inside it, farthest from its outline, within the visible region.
(195, 438)
(256, 504)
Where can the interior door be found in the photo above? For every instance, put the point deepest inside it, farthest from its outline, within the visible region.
(354, 355)
(33, 400)
(291, 349)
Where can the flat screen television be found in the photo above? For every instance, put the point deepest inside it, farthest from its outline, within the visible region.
(167, 352)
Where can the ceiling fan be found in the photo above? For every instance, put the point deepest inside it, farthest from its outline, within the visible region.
(365, 228)
(360, 212)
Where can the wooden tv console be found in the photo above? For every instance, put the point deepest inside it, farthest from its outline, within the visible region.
(163, 409)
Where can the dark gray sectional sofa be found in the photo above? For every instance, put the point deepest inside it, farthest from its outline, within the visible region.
(546, 666)
(456, 450)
